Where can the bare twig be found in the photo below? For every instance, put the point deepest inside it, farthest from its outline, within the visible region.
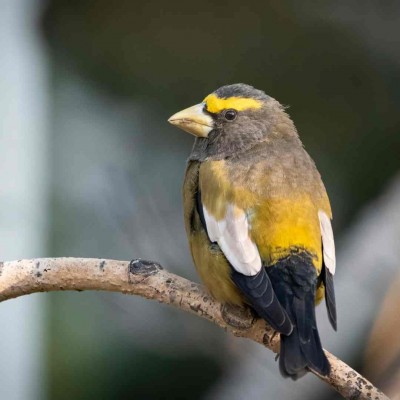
(148, 279)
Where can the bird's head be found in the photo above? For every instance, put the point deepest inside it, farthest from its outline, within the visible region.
(233, 119)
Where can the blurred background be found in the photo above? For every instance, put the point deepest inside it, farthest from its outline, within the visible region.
(89, 167)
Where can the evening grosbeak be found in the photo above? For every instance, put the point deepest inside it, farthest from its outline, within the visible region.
(258, 218)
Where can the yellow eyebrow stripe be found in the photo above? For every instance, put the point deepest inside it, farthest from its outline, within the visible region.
(215, 104)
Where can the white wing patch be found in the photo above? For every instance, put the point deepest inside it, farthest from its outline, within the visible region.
(327, 241)
(232, 235)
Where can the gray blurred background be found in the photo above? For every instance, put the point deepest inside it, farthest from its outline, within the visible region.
(90, 168)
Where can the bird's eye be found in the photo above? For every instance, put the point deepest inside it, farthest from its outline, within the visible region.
(230, 115)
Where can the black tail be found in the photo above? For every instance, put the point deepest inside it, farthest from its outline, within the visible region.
(302, 349)
(295, 281)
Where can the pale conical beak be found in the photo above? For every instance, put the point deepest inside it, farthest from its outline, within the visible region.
(193, 120)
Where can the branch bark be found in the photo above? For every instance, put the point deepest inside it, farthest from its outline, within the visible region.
(148, 279)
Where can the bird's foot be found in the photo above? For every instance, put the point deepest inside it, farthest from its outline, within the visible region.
(272, 337)
(269, 338)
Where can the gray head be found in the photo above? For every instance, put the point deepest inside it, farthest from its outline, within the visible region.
(233, 119)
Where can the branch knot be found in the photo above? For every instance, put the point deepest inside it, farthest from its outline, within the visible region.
(144, 267)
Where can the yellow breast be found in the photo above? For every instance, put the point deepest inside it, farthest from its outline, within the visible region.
(280, 226)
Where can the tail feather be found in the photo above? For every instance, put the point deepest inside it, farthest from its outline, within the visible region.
(295, 282)
(302, 349)
(292, 362)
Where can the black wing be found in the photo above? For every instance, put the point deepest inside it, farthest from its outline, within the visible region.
(327, 279)
(259, 292)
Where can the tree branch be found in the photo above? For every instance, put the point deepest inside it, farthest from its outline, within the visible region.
(148, 279)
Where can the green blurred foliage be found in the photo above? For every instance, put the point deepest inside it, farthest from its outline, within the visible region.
(91, 362)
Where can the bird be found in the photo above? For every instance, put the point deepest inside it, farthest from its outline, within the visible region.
(258, 219)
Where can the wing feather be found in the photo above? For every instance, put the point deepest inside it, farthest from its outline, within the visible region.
(328, 266)
(328, 242)
(232, 235)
